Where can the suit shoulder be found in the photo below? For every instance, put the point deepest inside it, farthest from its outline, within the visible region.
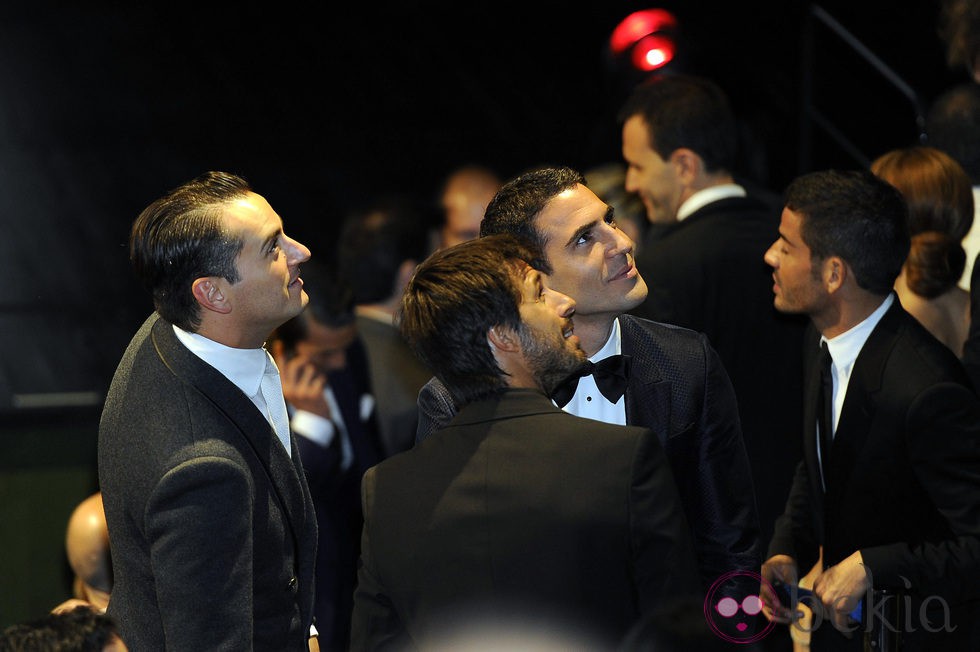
(925, 358)
(668, 339)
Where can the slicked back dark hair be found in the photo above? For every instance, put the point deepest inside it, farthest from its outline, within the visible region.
(686, 111)
(180, 238)
(857, 216)
(516, 205)
(455, 297)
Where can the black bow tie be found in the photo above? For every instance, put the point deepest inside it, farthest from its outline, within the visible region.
(611, 376)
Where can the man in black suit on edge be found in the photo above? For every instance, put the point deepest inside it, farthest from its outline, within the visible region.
(889, 485)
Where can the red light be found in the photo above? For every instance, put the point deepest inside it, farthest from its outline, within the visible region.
(653, 52)
(639, 24)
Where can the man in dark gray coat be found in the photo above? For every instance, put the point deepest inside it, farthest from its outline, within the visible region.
(211, 526)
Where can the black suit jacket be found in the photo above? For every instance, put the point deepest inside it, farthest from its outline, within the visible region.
(707, 273)
(903, 483)
(679, 389)
(211, 524)
(519, 508)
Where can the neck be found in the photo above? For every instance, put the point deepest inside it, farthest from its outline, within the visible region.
(234, 339)
(593, 331)
(516, 373)
(845, 315)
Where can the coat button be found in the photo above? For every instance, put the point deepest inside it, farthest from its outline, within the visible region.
(292, 583)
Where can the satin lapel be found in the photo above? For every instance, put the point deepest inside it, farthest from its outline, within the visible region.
(648, 394)
(857, 413)
(255, 430)
(811, 397)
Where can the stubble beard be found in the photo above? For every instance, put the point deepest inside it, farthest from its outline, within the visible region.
(549, 358)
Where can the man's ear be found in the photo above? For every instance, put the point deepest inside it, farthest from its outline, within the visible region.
(502, 338)
(835, 272)
(687, 164)
(207, 291)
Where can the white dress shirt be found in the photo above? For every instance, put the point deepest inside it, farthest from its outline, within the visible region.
(844, 350)
(588, 401)
(243, 367)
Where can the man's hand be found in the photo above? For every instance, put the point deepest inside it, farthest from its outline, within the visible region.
(302, 385)
(840, 588)
(778, 568)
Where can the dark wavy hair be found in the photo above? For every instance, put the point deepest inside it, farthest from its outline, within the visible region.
(455, 297)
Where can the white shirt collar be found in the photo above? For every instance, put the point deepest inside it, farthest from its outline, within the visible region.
(844, 348)
(704, 197)
(243, 367)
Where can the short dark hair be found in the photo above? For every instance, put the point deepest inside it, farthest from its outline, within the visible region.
(331, 304)
(79, 630)
(180, 238)
(686, 111)
(516, 205)
(455, 297)
(374, 242)
(953, 125)
(857, 216)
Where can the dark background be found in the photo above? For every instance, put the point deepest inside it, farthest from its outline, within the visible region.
(106, 105)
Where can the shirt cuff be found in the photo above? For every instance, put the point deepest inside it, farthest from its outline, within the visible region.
(314, 427)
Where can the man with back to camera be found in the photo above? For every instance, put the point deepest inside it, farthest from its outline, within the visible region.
(674, 383)
(211, 524)
(704, 267)
(516, 514)
(889, 485)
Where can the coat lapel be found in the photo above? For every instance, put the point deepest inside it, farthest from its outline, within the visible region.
(256, 432)
(647, 394)
(811, 397)
(857, 413)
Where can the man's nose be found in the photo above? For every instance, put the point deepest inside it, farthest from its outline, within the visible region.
(298, 252)
(622, 244)
(770, 256)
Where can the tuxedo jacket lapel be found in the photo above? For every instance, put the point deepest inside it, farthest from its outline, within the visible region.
(647, 393)
(256, 431)
(810, 405)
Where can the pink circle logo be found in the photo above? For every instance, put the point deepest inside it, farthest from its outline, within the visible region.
(733, 606)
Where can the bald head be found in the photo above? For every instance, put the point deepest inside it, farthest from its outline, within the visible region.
(87, 546)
